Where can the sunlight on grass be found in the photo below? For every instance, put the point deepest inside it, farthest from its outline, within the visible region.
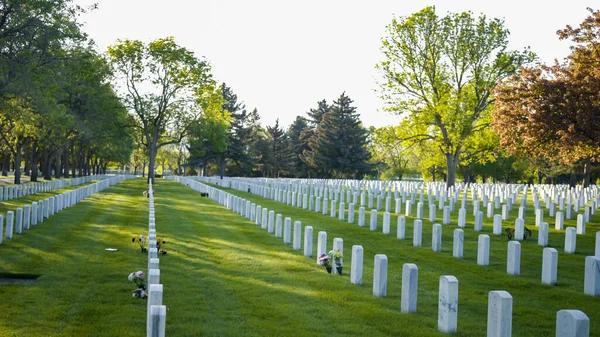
(225, 276)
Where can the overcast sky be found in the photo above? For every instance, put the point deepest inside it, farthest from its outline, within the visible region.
(283, 56)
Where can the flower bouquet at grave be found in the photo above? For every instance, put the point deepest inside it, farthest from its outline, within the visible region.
(141, 240)
(160, 244)
(510, 233)
(337, 257)
(138, 278)
(323, 260)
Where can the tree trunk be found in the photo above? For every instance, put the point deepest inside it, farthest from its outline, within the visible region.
(18, 163)
(80, 165)
(88, 166)
(57, 164)
(451, 164)
(27, 160)
(144, 169)
(35, 157)
(5, 164)
(222, 163)
(151, 163)
(433, 173)
(572, 179)
(466, 176)
(66, 163)
(47, 163)
(74, 162)
(587, 174)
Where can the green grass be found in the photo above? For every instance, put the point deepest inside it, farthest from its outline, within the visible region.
(224, 276)
(534, 307)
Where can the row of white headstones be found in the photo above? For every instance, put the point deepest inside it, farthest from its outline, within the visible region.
(17, 191)
(550, 256)
(567, 199)
(285, 192)
(569, 322)
(553, 195)
(29, 215)
(156, 314)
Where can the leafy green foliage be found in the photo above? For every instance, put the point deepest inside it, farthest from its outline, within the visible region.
(438, 73)
(168, 89)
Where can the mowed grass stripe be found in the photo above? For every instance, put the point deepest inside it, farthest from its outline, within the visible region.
(226, 277)
(535, 305)
(83, 290)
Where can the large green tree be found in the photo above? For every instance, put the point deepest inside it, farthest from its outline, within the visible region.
(166, 88)
(297, 133)
(279, 158)
(308, 155)
(340, 141)
(438, 73)
(553, 112)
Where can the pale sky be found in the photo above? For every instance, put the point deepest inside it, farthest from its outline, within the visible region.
(283, 56)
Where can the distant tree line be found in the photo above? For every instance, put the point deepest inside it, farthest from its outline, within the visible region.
(58, 111)
(329, 142)
(472, 108)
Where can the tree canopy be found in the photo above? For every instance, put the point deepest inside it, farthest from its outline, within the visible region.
(553, 112)
(438, 73)
(167, 88)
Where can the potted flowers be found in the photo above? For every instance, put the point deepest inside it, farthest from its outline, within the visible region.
(323, 260)
(160, 244)
(141, 241)
(336, 256)
(510, 233)
(138, 278)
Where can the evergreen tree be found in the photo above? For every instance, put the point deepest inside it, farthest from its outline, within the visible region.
(340, 141)
(237, 136)
(257, 146)
(279, 155)
(316, 115)
(298, 143)
(308, 155)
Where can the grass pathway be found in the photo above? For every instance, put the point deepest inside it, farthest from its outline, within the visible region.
(83, 290)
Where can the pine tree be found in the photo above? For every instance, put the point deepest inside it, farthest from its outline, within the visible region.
(340, 141)
(257, 147)
(316, 115)
(298, 143)
(308, 155)
(279, 145)
(240, 162)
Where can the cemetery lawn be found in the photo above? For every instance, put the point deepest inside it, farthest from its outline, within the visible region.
(347, 309)
(224, 276)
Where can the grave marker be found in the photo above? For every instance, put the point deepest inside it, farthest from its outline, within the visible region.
(380, 275)
(448, 304)
(549, 266)
(356, 269)
(410, 287)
